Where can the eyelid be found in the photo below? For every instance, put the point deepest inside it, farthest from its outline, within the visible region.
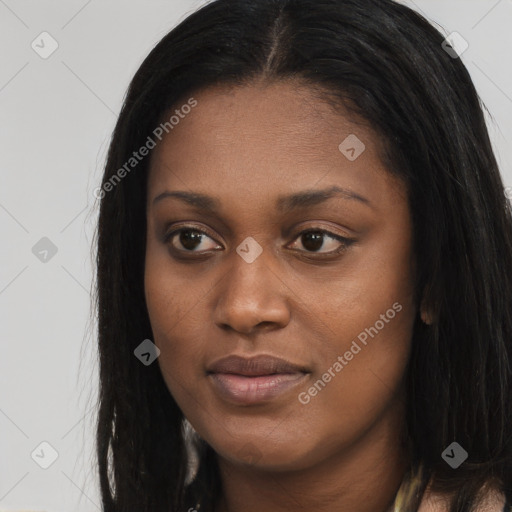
(182, 227)
(345, 241)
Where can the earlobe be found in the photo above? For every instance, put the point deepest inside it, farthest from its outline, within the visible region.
(426, 313)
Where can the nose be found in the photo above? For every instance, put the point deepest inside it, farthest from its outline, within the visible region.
(251, 296)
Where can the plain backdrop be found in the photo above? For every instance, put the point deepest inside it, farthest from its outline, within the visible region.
(57, 114)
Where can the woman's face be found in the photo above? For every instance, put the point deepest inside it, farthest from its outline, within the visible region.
(335, 303)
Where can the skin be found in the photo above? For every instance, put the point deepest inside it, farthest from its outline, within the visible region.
(247, 146)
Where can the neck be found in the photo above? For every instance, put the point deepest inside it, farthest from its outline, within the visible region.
(362, 478)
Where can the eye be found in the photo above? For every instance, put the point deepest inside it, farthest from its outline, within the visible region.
(315, 239)
(189, 240)
(194, 241)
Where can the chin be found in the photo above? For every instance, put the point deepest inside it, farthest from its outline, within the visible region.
(265, 455)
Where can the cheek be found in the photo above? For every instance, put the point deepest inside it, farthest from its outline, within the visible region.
(176, 334)
(177, 312)
(367, 322)
(171, 312)
(371, 301)
(167, 308)
(346, 396)
(171, 300)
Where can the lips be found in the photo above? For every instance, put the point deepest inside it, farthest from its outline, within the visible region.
(254, 366)
(246, 381)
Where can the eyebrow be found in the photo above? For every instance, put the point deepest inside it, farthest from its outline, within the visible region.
(285, 204)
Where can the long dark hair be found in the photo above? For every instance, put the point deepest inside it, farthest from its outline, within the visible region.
(385, 63)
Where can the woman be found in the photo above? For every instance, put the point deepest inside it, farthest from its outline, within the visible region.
(303, 247)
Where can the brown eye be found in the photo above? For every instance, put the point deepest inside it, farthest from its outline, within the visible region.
(314, 240)
(188, 240)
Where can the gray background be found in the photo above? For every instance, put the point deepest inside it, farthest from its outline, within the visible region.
(57, 115)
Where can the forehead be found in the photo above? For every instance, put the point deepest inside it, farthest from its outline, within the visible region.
(269, 138)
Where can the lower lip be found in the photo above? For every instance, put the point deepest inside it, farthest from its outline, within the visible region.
(251, 390)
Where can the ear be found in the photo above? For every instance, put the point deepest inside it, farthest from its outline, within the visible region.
(426, 313)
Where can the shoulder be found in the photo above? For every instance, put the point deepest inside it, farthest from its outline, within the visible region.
(493, 501)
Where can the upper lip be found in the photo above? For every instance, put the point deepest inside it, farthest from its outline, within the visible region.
(254, 366)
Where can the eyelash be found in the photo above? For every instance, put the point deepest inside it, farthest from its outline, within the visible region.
(346, 242)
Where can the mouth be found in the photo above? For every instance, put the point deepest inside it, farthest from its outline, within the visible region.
(246, 381)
